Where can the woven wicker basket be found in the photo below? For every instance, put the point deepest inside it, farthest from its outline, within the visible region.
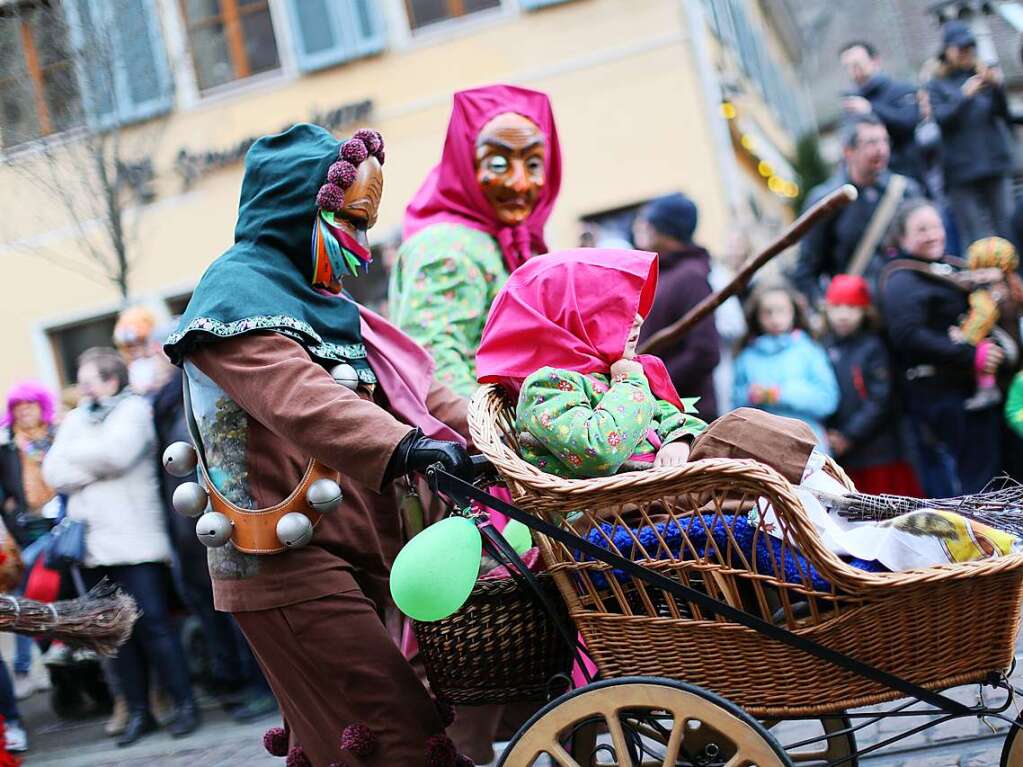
(501, 647)
(938, 627)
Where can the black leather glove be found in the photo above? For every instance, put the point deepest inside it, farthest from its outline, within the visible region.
(417, 453)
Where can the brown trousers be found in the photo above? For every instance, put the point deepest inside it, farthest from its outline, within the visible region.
(331, 663)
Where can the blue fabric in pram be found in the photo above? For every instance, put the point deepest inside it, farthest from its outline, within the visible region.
(768, 555)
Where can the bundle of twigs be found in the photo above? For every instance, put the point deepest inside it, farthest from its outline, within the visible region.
(101, 620)
(1001, 507)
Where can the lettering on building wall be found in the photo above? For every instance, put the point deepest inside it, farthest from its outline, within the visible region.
(192, 165)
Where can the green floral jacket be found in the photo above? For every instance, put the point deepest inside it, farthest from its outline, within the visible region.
(442, 286)
(583, 425)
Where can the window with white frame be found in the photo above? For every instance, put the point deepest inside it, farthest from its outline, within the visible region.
(229, 39)
(328, 32)
(422, 13)
(67, 63)
(67, 342)
(38, 90)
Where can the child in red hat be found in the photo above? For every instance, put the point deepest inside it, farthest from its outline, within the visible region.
(862, 432)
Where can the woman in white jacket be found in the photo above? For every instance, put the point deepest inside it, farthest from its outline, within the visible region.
(103, 459)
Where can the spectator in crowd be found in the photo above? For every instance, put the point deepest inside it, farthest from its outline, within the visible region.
(25, 437)
(863, 432)
(103, 459)
(894, 102)
(780, 368)
(855, 233)
(968, 102)
(133, 338)
(236, 677)
(729, 318)
(666, 226)
(958, 449)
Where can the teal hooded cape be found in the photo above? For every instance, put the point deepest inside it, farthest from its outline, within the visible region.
(264, 281)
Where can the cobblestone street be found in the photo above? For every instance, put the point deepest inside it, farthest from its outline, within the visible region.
(222, 743)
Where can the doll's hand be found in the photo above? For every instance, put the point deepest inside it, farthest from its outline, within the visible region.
(672, 454)
(624, 368)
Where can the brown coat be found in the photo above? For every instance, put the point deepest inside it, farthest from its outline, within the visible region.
(297, 411)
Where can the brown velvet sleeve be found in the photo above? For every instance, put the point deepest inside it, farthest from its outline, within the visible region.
(448, 407)
(275, 381)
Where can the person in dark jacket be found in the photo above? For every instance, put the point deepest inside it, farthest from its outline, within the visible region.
(968, 101)
(666, 226)
(959, 449)
(894, 102)
(828, 247)
(863, 431)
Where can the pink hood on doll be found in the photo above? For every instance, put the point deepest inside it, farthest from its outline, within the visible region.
(451, 193)
(571, 310)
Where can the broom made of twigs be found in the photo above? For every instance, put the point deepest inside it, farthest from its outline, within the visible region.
(100, 620)
(1001, 508)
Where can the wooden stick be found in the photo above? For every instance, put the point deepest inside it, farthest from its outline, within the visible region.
(826, 207)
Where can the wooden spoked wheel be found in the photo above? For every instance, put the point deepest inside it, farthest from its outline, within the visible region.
(837, 745)
(1012, 751)
(643, 722)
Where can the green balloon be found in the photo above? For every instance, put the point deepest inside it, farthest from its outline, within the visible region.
(519, 536)
(434, 574)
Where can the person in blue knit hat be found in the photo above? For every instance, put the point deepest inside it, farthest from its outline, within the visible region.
(666, 226)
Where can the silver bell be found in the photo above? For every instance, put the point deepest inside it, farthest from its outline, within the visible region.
(345, 375)
(294, 530)
(180, 459)
(324, 496)
(213, 529)
(190, 499)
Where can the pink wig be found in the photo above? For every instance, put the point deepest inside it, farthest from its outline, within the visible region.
(29, 391)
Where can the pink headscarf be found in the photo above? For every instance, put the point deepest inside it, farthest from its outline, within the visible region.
(29, 391)
(404, 371)
(451, 193)
(571, 310)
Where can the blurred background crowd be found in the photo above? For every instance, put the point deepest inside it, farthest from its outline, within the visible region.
(693, 128)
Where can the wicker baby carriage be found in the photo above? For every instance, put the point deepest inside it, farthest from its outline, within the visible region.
(936, 627)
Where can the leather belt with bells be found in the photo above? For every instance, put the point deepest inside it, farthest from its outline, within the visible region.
(254, 531)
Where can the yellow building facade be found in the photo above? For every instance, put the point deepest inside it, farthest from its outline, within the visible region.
(650, 97)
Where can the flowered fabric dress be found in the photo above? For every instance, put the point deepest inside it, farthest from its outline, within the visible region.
(583, 425)
(442, 286)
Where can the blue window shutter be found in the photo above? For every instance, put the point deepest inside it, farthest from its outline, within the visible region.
(119, 55)
(328, 32)
(532, 5)
(95, 80)
(144, 85)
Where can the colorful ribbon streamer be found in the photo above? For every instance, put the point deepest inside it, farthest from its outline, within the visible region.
(336, 253)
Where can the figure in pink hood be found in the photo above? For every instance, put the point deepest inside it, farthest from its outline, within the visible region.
(479, 215)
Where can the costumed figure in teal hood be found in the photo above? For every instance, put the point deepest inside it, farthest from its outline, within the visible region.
(289, 379)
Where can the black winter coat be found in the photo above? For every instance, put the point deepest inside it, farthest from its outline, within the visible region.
(975, 131)
(865, 407)
(682, 284)
(919, 310)
(895, 104)
(24, 527)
